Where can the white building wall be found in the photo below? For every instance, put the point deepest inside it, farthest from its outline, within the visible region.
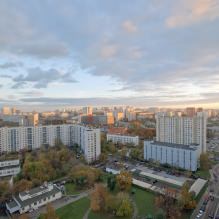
(182, 129)
(175, 156)
(124, 139)
(19, 138)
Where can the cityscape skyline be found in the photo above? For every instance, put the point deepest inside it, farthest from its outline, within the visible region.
(146, 54)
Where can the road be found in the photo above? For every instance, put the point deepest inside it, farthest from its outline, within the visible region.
(212, 208)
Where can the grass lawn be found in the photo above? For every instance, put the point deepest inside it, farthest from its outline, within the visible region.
(144, 201)
(99, 215)
(70, 189)
(74, 210)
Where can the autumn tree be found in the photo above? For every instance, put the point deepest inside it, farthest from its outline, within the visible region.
(23, 216)
(204, 161)
(83, 175)
(98, 198)
(124, 180)
(168, 204)
(187, 199)
(50, 213)
(22, 185)
(124, 208)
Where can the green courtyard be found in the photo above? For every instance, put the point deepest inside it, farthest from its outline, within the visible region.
(144, 202)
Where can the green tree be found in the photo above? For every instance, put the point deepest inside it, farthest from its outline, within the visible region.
(124, 205)
(204, 162)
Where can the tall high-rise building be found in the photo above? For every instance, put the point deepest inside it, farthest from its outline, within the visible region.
(87, 110)
(184, 130)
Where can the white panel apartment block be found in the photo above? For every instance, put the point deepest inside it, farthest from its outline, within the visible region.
(124, 139)
(182, 129)
(30, 138)
(178, 155)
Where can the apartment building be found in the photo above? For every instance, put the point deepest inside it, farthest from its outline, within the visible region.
(9, 168)
(186, 130)
(178, 155)
(123, 139)
(33, 137)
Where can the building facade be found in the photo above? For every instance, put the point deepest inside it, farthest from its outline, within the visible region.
(9, 168)
(19, 138)
(31, 200)
(123, 139)
(184, 130)
(178, 155)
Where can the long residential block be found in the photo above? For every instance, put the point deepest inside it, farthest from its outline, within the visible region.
(178, 155)
(19, 138)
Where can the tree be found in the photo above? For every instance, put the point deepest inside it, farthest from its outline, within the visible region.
(22, 185)
(4, 190)
(204, 162)
(168, 204)
(124, 180)
(23, 216)
(135, 153)
(98, 198)
(125, 208)
(83, 175)
(111, 182)
(103, 157)
(50, 213)
(187, 199)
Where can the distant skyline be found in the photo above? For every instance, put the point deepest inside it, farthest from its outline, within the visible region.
(144, 53)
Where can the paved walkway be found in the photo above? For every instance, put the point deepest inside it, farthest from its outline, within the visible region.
(135, 210)
(86, 214)
(65, 200)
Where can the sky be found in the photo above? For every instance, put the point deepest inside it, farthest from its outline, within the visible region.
(99, 52)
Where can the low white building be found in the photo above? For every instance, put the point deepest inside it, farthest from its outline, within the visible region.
(33, 199)
(9, 168)
(123, 139)
(177, 155)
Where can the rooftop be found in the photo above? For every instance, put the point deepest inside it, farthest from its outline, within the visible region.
(191, 147)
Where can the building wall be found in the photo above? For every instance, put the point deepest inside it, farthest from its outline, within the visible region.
(9, 168)
(174, 156)
(182, 129)
(124, 139)
(33, 137)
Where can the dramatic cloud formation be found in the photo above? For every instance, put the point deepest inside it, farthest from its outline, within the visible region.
(42, 78)
(118, 52)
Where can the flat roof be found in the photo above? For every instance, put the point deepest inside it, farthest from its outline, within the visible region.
(197, 186)
(162, 178)
(191, 147)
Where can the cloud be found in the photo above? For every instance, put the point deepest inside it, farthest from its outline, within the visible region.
(24, 38)
(129, 26)
(7, 65)
(42, 78)
(162, 100)
(108, 50)
(189, 12)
